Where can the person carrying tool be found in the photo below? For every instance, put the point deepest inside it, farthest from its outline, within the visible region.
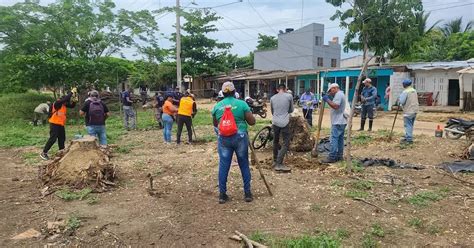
(338, 123)
(169, 111)
(232, 116)
(281, 105)
(158, 104)
(408, 100)
(308, 100)
(369, 93)
(186, 111)
(57, 122)
(129, 113)
(41, 113)
(95, 113)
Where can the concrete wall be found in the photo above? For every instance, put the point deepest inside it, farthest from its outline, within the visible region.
(435, 81)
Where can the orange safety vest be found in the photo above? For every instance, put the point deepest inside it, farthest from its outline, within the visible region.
(59, 116)
(186, 106)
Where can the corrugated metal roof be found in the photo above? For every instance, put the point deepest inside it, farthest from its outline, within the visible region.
(438, 65)
(469, 70)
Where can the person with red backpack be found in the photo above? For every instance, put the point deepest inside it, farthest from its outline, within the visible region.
(231, 117)
(95, 112)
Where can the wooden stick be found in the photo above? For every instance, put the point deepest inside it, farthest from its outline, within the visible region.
(314, 152)
(371, 204)
(470, 184)
(254, 161)
(254, 243)
(248, 244)
(393, 125)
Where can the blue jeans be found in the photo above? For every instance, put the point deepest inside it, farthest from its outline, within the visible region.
(168, 125)
(226, 146)
(408, 123)
(99, 132)
(337, 142)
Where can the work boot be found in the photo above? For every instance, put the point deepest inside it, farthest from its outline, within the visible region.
(44, 156)
(328, 160)
(35, 123)
(248, 197)
(362, 125)
(282, 168)
(370, 125)
(223, 198)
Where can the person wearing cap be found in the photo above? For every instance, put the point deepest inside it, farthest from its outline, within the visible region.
(281, 105)
(95, 113)
(308, 100)
(237, 143)
(186, 111)
(408, 100)
(169, 111)
(128, 112)
(338, 123)
(368, 97)
(57, 121)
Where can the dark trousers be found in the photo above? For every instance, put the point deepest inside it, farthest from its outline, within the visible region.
(308, 114)
(56, 132)
(182, 120)
(367, 110)
(280, 152)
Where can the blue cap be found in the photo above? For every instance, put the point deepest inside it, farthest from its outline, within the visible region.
(168, 94)
(407, 82)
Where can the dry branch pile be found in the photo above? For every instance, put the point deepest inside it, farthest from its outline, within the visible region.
(82, 164)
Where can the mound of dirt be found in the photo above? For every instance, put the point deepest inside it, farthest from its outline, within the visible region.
(82, 164)
(301, 138)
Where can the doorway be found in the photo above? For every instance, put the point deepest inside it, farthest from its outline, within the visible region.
(453, 92)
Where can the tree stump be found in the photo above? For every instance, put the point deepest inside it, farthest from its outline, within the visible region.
(82, 164)
(300, 135)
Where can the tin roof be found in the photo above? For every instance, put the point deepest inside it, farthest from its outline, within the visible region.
(448, 65)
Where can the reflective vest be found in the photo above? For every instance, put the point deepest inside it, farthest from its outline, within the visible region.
(186, 106)
(58, 117)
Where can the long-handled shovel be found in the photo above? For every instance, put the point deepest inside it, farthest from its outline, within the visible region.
(393, 125)
(314, 152)
(254, 161)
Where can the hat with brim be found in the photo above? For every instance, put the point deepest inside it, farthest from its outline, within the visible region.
(228, 87)
(333, 85)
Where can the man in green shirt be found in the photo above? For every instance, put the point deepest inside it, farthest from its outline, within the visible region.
(238, 143)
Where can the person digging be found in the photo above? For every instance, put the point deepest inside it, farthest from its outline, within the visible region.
(41, 113)
(368, 95)
(281, 105)
(58, 121)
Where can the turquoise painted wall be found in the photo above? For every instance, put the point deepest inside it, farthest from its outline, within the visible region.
(307, 82)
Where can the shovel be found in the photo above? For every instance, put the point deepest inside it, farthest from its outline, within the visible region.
(254, 161)
(314, 152)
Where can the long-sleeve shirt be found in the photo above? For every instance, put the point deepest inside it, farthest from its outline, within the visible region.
(369, 94)
(65, 100)
(308, 100)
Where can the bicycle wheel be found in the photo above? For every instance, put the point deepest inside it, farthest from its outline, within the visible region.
(261, 138)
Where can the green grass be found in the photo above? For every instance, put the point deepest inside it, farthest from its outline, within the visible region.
(377, 230)
(415, 222)
(362, 185)
(67, 194)
(92, 200)
(315, 207)
(424, 198)
(260, 237)
(362, 139)
(19, 107)
(342, 233)
(356, 165)
(308, 241)
(356, 194)
(31, 158)
(73, 223)
(337, 183)
(368, 241)
(433, 230)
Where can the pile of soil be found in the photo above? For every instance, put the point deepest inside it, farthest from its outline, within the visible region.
(301, 138)
(82, 164)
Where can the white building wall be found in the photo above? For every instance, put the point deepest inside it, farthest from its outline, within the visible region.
(435, 81)
(396, 86)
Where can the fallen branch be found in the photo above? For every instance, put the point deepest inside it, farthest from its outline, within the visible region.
(248, 242)
(369, 203)
(470, 184)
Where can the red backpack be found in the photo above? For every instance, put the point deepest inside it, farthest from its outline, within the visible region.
(227, 125)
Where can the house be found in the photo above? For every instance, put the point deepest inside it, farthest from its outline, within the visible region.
(466, 86)
(358, 61)
(300, 49)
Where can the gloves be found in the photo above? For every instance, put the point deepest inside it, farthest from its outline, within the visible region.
(326, 98)
(309, 103)
(74, 90)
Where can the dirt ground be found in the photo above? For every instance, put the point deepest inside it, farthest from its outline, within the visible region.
(185, 212)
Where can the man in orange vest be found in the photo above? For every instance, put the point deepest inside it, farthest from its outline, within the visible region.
(186, 111)
(57, 122)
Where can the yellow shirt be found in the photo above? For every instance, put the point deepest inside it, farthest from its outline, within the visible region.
(186, 106)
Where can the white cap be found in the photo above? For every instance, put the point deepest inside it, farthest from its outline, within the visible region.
(333, 85)
(367, 80)
(220, 94)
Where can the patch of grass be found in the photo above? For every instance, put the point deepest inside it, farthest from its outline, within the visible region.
(433, 229)
(124, 149)
(424, 198)
(315, 207)
(337, 183)
(73, 223)
(322, 240)
(383, 132)
(93, 200)
(259, 237)
(206, 138)
(356, 194)
(362, 139)
(377, 230)
(362, 185)
(415, 222)
(68, 195)
(139, 165)
(405, 146)
(342, 233)
(31, 158)
(203, 118)
(368, 241)
(357, 166)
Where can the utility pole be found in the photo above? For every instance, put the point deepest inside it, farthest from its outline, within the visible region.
(178, 47)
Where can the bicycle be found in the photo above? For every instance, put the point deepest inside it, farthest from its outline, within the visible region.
(262, 137)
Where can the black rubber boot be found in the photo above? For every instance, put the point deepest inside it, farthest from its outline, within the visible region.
(370, 125)
(362, 125)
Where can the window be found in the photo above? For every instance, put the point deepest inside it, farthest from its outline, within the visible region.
(313, 84)
(301, 88)
(333, 62)
(318, 41)
(320, 61)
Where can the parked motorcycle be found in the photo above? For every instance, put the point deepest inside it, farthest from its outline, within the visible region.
(258, 107)
(456, 128)
(358, 110)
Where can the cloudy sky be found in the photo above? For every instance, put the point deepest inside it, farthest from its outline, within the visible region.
(243, 20)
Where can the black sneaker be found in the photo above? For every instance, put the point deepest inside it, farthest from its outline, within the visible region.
(44, 156)
(223, 198)
(248, 197)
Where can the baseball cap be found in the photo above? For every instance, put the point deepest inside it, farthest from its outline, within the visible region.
(333, 85)
(228, 87)
(407, 82)
(368, 80)
(94, 93)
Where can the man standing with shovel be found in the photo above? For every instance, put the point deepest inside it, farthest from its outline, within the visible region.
(281, 106)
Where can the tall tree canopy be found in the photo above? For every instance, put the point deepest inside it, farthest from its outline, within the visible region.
(266, 42)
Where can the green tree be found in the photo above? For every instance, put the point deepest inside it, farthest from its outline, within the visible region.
(460, 46)
(422, 23)
(380, 26)
(266, 42)
(455, 26)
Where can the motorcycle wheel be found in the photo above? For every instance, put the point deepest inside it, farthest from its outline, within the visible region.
(261, 138)
(454, 136)
(263, 114)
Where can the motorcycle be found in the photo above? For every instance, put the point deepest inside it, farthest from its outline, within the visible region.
(358, 110)
(456, 128)
(258, 107)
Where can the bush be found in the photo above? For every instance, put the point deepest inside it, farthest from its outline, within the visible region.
(20, 107)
